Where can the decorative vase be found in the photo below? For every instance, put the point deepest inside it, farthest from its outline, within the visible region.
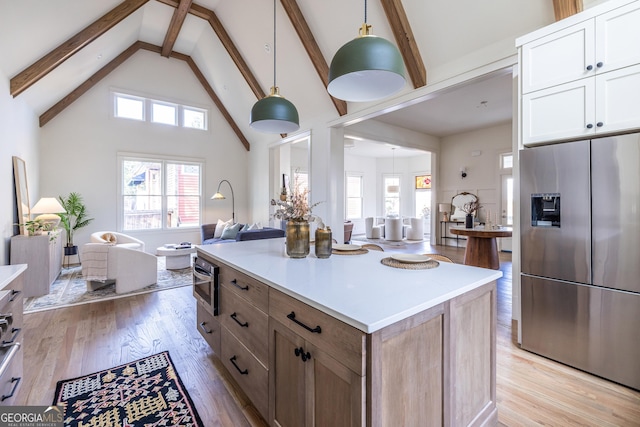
(323, 243)
(468, 221)
(297, 239)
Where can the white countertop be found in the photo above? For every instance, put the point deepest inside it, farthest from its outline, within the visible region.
(10, 272)
(356, 289)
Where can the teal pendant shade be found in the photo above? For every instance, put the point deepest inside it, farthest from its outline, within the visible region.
(274, 114)
(367, 68)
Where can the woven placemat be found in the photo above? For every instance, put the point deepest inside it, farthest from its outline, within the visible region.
(432, 263)
(356, 252)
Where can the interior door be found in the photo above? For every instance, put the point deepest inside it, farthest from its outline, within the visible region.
(506, 209)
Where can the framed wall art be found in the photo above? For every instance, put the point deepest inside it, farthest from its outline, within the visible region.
(423, 182)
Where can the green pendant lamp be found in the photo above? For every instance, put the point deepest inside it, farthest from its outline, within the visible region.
(273, 113)
(367, 68)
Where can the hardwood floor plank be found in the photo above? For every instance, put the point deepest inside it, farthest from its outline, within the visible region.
(74, 341)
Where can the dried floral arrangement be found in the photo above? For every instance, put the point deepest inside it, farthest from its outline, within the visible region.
(471, 208)
(296, 206)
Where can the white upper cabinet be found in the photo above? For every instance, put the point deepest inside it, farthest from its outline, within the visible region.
(582, 79)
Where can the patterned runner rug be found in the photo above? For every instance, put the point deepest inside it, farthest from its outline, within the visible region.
(70, 288)
(145, 392)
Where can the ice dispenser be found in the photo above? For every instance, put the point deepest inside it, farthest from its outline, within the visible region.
(545, 210)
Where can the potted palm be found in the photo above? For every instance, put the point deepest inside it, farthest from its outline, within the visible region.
(74, 217)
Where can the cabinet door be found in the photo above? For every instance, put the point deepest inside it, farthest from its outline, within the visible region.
(617, 35)
(558, 58)
(287, 375)
(561, 112)
(617, 106)
(329, 384)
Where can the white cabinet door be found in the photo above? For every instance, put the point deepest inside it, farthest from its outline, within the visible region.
(618, 38)
(617, 105)
(560, 112)
(558, 58)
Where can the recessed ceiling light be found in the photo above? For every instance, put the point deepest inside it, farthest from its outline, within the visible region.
(483, 104)
(99, 57)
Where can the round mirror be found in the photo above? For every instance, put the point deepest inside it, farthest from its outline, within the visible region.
(458, 201)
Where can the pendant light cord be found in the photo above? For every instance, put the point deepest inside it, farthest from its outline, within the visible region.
(365, 11)
(274, 43)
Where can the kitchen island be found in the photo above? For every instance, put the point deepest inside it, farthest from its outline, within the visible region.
(350, 341)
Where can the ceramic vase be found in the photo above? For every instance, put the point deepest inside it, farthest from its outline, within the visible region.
(468, 221)
(297, 239)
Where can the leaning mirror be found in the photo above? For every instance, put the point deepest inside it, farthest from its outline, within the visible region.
(458, 201)
(22, 191)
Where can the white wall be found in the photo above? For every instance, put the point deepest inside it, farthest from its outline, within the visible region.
(18, 137)
(81, 145)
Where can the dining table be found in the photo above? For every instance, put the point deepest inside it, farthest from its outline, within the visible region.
(482, 246)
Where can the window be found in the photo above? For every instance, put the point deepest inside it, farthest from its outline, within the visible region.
(423, 203)
(160, 194)
(164, 113)
(354, 196)
(129, 107)
(391, 198)
(194, 118)
(506, 161)
(156, 111)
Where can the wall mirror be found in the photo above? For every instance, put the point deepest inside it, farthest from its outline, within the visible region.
(22, 192)
(458, 201)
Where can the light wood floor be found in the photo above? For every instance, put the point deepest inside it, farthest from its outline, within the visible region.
(69, 342)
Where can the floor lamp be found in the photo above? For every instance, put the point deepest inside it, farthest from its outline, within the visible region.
(220, 196)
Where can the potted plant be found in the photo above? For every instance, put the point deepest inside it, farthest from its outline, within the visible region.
(74, 218)
(36, 227)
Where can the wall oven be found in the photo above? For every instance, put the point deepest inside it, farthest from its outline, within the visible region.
(205, 284)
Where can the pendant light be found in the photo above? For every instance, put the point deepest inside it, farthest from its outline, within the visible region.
(367, 68)
(393, 188)
(273, 113)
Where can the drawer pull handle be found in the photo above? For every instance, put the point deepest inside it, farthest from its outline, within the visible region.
(234, 316)
(589, 67)
(15, 386)
(234, 282)
(589, 126)
(599, 64)
(15, 332)
(205, 329)
(292, 316)
(300, 352)
(242, 372)
(14, 295)
(599, 124)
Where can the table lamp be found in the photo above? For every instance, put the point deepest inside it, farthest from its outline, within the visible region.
(48, 207)
(444, 209)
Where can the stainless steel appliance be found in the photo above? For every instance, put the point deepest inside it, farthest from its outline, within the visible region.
(580, 241)
(205, 284)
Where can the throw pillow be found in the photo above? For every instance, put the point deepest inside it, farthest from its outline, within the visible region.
(230, 231)
(220, 228)
(109, 238)
(245, 228)
(259, 225)
(252, 227)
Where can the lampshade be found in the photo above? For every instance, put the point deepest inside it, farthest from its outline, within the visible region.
(274, 114)
(366, 69)
(48, 207)
(393, 189)
(444, 207)
(218, 196)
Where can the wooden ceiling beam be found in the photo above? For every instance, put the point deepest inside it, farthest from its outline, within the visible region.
(312, 48)
(225, 39)
(104, 71)
(29, 76)
(566, 8)
(179, 15)
(403, 34)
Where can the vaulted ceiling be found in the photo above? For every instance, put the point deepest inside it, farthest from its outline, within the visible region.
(54, 51)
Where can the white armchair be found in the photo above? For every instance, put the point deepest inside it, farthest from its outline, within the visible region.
(372, 231)
(416, 229)
(123, 261)
(393, 229)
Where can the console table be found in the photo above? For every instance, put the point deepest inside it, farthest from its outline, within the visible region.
(43, 255)
(443, 232)
(482, 248)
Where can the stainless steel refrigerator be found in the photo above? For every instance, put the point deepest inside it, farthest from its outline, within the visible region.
(580, 257)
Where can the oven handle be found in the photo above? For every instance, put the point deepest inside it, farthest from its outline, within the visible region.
(203, 277)
(7, 359)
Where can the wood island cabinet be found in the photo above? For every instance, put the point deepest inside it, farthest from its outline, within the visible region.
(12, 280)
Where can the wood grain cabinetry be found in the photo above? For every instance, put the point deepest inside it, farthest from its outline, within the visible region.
(43, 254)
(11, 352)
(580, 81)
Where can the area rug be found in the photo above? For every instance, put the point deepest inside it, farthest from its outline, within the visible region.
(70, 288)
(145, 392)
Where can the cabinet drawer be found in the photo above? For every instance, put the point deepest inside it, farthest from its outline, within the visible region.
(11, 359)
(344, 342)
(244, 286)
(248, 372)
(209, 328)
(247, 323)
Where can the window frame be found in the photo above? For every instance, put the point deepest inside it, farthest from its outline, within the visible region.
(176, 108)
(360, 176)
(122, 157)
(117, 95)
(384, 192)
(205, 121)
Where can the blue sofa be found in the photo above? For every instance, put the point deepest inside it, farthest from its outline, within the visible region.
(207, 232)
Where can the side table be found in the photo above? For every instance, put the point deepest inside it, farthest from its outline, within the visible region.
(177, 258)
